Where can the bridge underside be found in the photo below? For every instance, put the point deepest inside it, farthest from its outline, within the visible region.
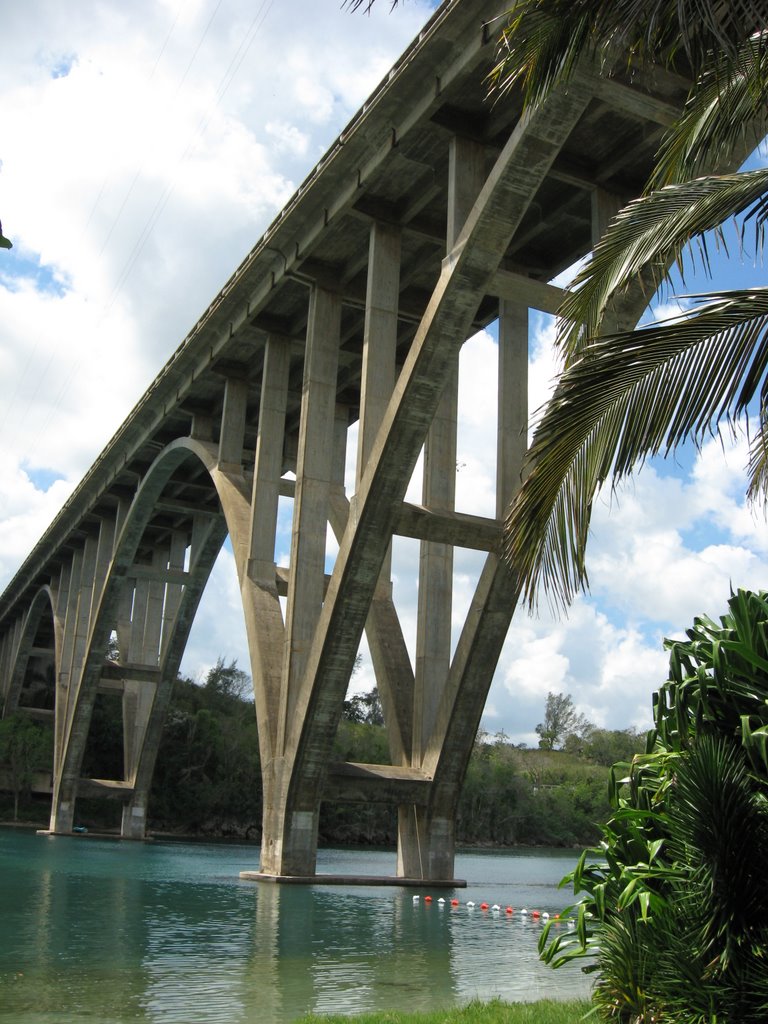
(432, 216)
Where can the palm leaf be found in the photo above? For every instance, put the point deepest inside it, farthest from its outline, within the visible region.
(355, 5)
(757, 470)
(653, 232)
(545, 40)
(725, 113)
(629, 396)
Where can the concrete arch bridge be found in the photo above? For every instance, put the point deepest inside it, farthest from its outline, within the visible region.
(433, 214)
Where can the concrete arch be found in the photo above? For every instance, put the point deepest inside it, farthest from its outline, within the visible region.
(262, 611)
(206, 539)
(260, 599)
(43, 601)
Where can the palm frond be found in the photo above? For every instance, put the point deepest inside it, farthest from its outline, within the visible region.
(355, 5)
(653, 232)
(726, 112)
(629, 396)
(545, 40)
(540, 47)
(757, 469)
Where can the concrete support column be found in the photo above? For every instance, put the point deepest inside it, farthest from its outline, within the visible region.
(432, 841)
(261, 603)
(124, 609)
(85, 600)
(314, 473)
(5, 663)
(5, 666)
(133, 820)
(466, 176)
(122, 625)
(339, 453)
(389, 655)
(426, 843)
(138, 695)
(173, 591)
(60, 597)
(62, 806)
(233, 418)
(9, 645)
(146, 639)
(289, 844)
(140, 698)
(512, 425)
(268, 465)
(104, 551)
(201, 428)
(138, 621)
(152, 690)
(379, 337)
(74, 704)
(73, 646)
(605, 206)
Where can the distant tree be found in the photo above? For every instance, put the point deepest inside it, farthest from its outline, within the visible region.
(228, 682)
(25, 747)
(561, 720)
(207, 776)
(364, 708)
(113, 649)
(606, 746)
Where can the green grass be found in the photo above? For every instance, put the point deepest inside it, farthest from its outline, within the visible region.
(545, 1011)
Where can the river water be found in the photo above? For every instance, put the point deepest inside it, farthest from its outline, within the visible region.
(109, 932)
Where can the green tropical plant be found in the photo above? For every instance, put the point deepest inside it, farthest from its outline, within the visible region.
(674, 908)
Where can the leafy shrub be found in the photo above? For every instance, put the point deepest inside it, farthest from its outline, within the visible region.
(674, 912)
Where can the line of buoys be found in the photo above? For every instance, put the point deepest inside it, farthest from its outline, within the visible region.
(536, 915)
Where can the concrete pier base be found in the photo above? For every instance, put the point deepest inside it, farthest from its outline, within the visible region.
(95, 835)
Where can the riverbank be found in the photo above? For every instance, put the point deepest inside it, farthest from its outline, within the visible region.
(252, 836)
(546, 1011)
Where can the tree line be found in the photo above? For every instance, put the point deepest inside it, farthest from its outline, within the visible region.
(207, 779)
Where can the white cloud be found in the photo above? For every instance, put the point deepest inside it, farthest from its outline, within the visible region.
(287, 137)
(144, 150)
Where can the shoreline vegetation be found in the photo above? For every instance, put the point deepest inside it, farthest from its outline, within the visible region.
(545, 1011)
(113, 832)
(207, 779)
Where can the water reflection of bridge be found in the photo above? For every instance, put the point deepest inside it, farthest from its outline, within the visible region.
(431, 216)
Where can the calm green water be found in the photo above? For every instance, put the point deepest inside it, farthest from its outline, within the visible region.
(107, 932)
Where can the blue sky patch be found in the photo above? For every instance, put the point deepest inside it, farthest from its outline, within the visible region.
(704, 534)
(63, 65)
(46, 278)
(43, 479)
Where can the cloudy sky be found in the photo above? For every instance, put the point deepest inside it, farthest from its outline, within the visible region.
(144, 148)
